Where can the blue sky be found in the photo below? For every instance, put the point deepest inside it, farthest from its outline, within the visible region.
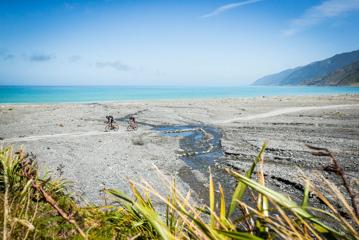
(130, 42)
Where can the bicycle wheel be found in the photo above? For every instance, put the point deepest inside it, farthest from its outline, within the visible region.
(107, 128)
(115, 127)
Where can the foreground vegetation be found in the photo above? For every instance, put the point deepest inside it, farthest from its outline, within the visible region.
(42, 208)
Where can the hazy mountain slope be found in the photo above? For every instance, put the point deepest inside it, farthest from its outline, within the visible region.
(346, 76)
(275, 79)
(311, 73)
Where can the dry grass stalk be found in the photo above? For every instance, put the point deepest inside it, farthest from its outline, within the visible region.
(338, 170)
(30, 173)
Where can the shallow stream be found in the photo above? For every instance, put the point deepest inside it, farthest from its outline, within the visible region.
(200, 149)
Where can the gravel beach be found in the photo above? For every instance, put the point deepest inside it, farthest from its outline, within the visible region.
(69, 139)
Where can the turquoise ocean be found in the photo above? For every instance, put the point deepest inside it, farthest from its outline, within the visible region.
(58, 94)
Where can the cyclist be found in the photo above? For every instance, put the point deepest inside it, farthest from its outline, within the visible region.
(111, 125)
(132, 125)
(132, 120)
(110, 120)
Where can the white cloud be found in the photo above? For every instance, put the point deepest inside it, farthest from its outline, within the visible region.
(228, 7)
(117, 65)
(41, 57)
(319, 13)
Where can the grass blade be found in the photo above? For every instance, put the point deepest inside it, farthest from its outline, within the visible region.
(241, 188)
(211, 199)
(305, 200)
(155, 220)
(222, 213)
(287, 203)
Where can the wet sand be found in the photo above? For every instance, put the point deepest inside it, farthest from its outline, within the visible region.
(69, 139)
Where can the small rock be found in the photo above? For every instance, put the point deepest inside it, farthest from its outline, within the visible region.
(60, 169)
(138, 141)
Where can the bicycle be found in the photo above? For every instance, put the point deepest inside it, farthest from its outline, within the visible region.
(111, 126)
(132, 126)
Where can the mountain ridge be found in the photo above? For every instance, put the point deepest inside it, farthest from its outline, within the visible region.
(316, 73)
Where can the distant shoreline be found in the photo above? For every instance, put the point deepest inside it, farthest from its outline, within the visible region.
(84, 95)
(142, 101)
(134, 101)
